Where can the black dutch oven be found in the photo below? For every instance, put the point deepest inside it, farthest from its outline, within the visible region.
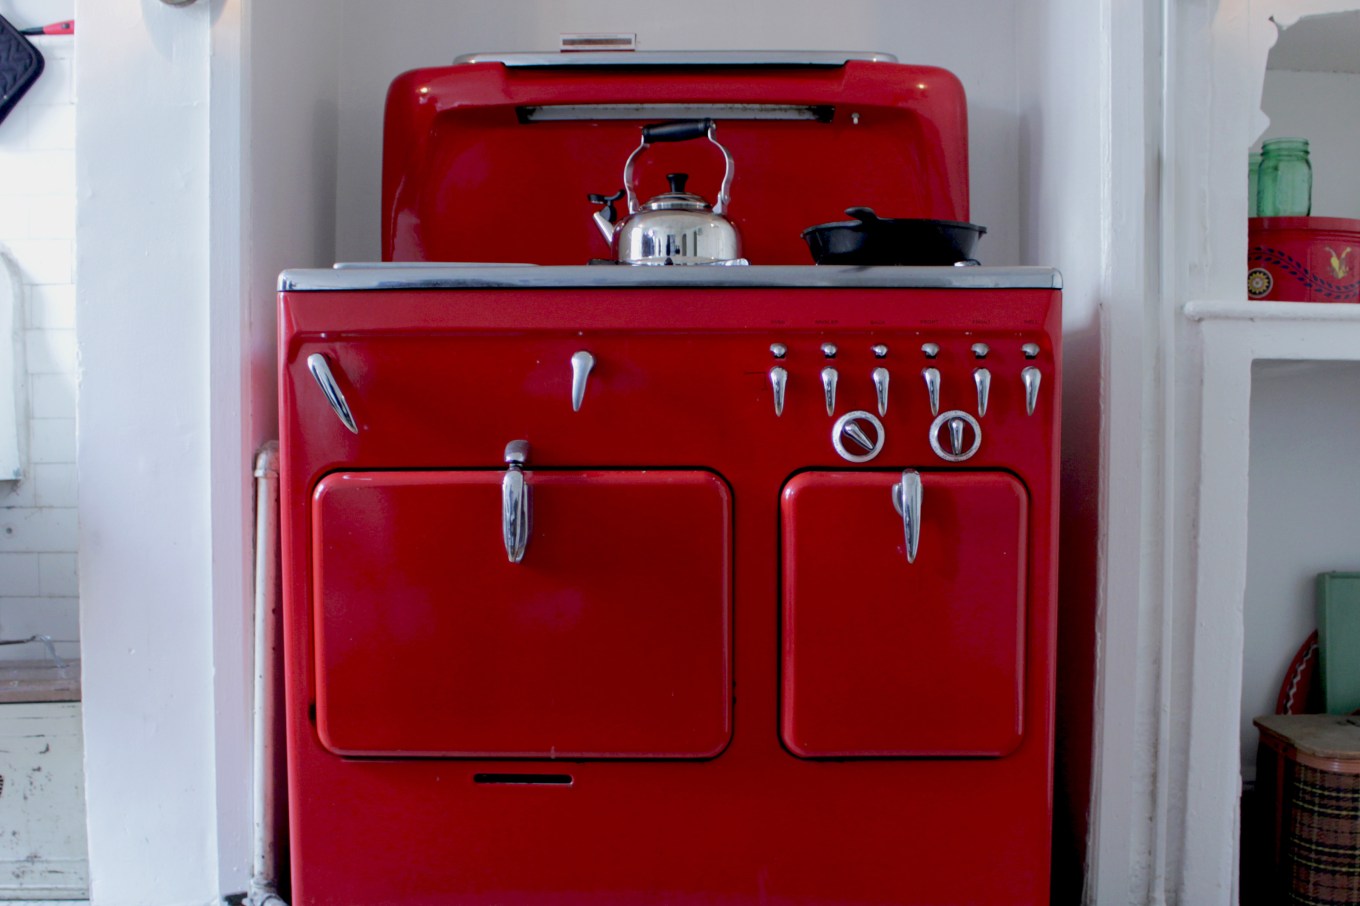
(873, 240)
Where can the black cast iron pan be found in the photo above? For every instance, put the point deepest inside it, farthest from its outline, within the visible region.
(872, 240)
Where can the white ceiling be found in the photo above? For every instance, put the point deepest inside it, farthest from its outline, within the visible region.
(1329, 43)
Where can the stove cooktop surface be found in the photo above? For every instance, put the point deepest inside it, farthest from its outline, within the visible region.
(360, 276)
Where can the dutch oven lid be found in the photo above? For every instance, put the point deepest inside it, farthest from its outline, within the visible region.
(866, 218)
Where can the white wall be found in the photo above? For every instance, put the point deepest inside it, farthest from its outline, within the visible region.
(276, 164)
(1067, 217)
(976, 39)
(33, 13)
(38, 592)
(142, 178)
(1323, 107)
(199, 180)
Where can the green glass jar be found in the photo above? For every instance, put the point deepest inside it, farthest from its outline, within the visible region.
(1253, 170)
(1285, 185)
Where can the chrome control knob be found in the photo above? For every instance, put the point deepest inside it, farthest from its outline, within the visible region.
(932, 379)
(881, 380)
(983, 379)
(779, 382)
(858, 436)
(1031, 377)
(955, 435)
(830, 377)
(955, 426)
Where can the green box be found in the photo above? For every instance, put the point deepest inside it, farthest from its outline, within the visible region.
(1338, 602)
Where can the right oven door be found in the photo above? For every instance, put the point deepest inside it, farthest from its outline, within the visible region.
(889, 657)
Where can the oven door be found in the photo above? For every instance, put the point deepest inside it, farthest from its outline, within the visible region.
(886, 657)
(610, 638)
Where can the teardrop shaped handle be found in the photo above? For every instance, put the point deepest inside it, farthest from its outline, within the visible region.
(906, 498)
(515, 501)
(330, 388)
(863, 215)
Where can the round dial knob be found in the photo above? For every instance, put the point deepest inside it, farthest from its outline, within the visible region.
(955, 435)
(857, 436)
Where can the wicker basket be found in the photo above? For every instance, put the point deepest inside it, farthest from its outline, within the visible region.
(1308, 775)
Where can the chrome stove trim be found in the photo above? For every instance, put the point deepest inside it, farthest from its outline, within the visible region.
(444, 275)
(679, 58)
(550, 113)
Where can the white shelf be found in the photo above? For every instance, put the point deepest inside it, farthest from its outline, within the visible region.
(1236, 333)
(1227, 340)
(1298, 312)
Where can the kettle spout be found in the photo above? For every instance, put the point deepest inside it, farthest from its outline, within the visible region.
(606, 216)
(606, 226)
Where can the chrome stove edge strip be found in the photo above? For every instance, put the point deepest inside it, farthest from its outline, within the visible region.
(680, 58)
(434, 275)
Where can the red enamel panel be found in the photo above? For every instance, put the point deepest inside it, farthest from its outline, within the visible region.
(466, 178)
(885, 657)
(609, 639)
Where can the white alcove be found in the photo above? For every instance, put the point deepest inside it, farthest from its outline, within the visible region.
(1275, 428)
(265, 123)
(1304, 512)
(1033, 75)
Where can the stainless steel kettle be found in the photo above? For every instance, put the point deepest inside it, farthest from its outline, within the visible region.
(676, 227)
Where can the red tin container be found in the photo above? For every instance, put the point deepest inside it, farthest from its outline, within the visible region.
(1303, 259)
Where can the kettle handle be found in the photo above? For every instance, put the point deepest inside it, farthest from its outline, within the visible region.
(680, 131)
(677, 131)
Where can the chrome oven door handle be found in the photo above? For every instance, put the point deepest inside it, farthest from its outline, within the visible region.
(321, 371)
(515, 501)
(906, 498)
(581, 363)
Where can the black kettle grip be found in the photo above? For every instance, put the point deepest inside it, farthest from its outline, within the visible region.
(678, 131)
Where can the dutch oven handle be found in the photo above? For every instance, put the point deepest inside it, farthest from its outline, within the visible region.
(865, 216)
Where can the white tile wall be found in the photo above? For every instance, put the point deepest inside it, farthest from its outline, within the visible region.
(38, 585)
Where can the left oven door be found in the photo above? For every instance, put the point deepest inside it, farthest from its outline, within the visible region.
(610, 638)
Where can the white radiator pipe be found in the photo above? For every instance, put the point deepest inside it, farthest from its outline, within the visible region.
(264, 867)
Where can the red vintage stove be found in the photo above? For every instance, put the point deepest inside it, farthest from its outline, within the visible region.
(691, 584)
